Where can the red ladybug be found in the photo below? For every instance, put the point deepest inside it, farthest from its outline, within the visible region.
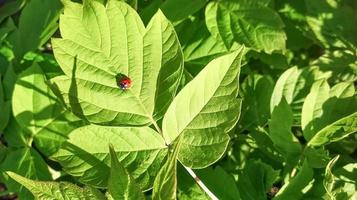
(124, 83)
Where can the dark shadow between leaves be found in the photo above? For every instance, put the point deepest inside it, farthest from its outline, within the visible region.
(73, 93)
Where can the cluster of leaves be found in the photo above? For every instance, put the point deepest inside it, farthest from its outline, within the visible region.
(257, 96)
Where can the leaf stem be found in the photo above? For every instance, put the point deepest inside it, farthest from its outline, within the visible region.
(201, 184)
(157, 127)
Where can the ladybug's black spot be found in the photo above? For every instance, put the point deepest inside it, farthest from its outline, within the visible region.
(123, 81)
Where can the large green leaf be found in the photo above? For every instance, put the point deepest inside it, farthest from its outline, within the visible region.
(85, 155)
(37, 23)
(56, 190)
(41, 115)
(26, 162)
(281, 135)
(117, 43)
(121, 185)
(328, 114)
(294, 84)
(204, 111)
(248, 22)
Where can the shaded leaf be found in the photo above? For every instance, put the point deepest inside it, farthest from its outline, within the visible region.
(28, 163)
(56, 190)
(219, 182)
(335, 131)
(281, 135)
(139, 149)
(342, 65)
(10, 8)
(41, 115)
(332, 22)
(186, 8)
(256, 91)
(248, 22)
(165, 185)
(298, 185)
(121, 185)
(256, 179)
(37, 23)
(294, 84)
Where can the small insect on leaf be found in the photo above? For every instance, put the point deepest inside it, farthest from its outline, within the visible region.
(123, 81)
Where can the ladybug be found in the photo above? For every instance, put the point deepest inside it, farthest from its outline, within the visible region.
(123, 82)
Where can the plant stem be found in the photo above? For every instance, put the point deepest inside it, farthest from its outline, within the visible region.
(201, 184)
(157, 127)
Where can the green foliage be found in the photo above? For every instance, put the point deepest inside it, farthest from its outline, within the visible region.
(121, 185)
(178, 99)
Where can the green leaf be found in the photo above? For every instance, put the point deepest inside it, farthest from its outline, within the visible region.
(121, 185)
(37, 23)
(27, 162)
(41, 115)
(343, 184)
(312, 107)
(281, 135)
(256, 179)
(329, 114)
(10, 8)
(297, 186)
(15, 135)
(199, 46)
(335, 131)
(317, 157)
(219, 182)
(186, 8)
(56, 190)
(332, 22)
(139, 149)
(248, 22)
(256, 91)
(204, 111)
(329, 177)
(165, 185)
(5, 108)
(294, 84)
(117, 43)
(342, 65)
(187, 187)
(6, 28)
(9, 82)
